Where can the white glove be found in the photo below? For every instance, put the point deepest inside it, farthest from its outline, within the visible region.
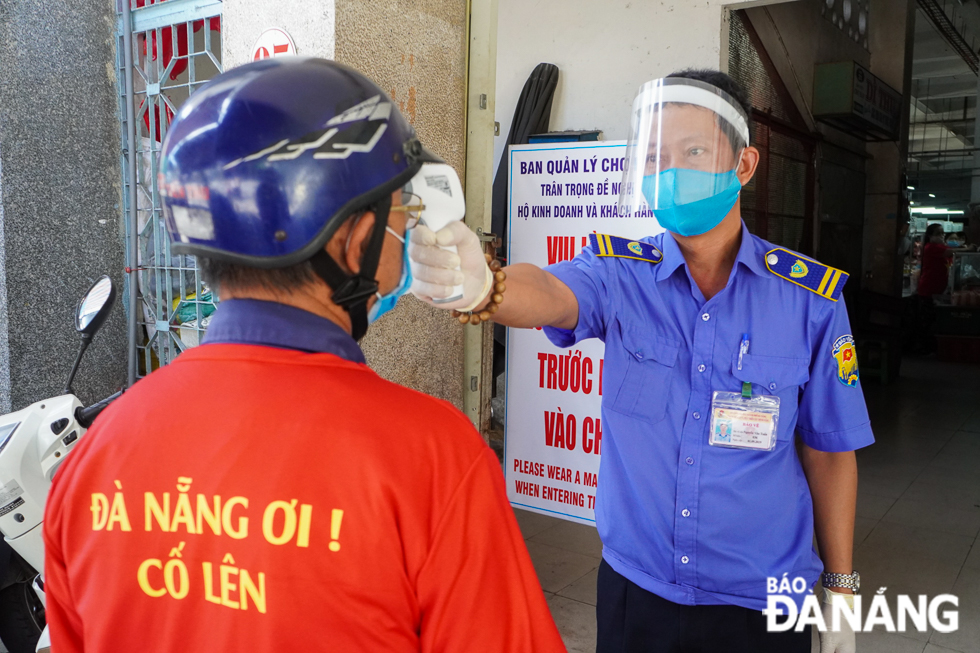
(840, 641)
(434, 270)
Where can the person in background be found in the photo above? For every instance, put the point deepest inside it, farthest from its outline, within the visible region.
(937, 252)
(935, 268)
(933, 279)
(269, 491)
(959, 241)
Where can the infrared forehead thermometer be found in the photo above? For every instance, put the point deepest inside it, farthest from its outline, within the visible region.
(437, 186)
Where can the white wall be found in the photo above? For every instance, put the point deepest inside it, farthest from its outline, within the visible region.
(604, 49)
(311, 25)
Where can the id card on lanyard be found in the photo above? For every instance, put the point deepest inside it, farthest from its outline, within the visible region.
(744, 423)
(741, 421)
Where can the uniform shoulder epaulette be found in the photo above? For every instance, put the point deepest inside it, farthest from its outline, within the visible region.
(806, 273)
(606, 245)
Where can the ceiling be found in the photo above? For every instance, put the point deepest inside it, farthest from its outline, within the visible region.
(944, 103)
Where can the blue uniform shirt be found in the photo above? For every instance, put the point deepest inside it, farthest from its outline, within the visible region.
(256, 322)
(693, 523)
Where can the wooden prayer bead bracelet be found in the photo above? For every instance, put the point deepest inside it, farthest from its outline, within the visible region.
(496, 295)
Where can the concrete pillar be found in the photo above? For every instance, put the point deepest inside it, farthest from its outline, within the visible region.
(417, 53)
(975, 178)
(60, 223)
(481, 100)
(891, 31)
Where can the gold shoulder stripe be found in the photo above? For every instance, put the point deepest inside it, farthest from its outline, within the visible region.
(818, 278)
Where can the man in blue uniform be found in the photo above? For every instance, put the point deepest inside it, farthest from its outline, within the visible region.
(721, 349)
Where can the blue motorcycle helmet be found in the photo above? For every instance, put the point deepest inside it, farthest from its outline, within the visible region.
(265, 162)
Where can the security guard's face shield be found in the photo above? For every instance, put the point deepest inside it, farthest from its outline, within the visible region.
(686, 141)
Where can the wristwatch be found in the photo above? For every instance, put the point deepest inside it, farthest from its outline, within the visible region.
(850, 581)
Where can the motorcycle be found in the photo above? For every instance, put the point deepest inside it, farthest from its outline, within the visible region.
(34, 442)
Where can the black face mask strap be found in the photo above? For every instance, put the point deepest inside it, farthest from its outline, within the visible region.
(352, 291)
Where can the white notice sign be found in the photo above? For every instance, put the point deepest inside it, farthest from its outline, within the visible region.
(559, 194)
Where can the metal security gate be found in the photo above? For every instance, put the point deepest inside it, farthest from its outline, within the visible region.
(166, 49)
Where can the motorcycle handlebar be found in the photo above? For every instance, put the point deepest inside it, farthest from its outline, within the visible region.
(85, 415)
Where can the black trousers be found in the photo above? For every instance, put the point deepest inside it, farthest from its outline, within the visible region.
(633, 620)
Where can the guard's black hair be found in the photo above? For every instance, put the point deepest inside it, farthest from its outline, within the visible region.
(724, 82)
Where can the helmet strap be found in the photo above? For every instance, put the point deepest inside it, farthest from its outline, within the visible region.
(352, 291)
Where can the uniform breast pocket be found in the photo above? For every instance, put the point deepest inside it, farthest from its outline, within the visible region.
(774, 375)
(647, 366)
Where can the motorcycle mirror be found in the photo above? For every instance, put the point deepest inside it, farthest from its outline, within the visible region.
(90, 315)
(95, 307)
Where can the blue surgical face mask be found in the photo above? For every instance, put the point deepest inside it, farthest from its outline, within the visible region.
(387, 302)
(691, 202)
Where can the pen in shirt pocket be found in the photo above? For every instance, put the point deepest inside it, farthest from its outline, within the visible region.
(743, 349)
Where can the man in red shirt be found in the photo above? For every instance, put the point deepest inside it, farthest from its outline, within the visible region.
(933, 280)
(268, 491)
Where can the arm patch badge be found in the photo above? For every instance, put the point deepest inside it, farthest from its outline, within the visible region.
(605, 245)
(847, 362)
(805, 272)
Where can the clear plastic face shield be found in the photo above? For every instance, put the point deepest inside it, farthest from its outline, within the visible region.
(686, 141)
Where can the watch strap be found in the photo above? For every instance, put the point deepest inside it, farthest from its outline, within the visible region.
(850, 581)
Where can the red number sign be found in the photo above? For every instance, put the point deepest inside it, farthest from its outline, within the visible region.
(273, 43)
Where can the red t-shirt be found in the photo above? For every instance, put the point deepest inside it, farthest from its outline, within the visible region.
(934, 276)
(203, 513)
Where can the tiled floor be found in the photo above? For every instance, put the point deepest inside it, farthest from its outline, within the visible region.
(918, 514)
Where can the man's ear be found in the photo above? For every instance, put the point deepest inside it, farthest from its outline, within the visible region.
(748, 164)
(357, 241)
